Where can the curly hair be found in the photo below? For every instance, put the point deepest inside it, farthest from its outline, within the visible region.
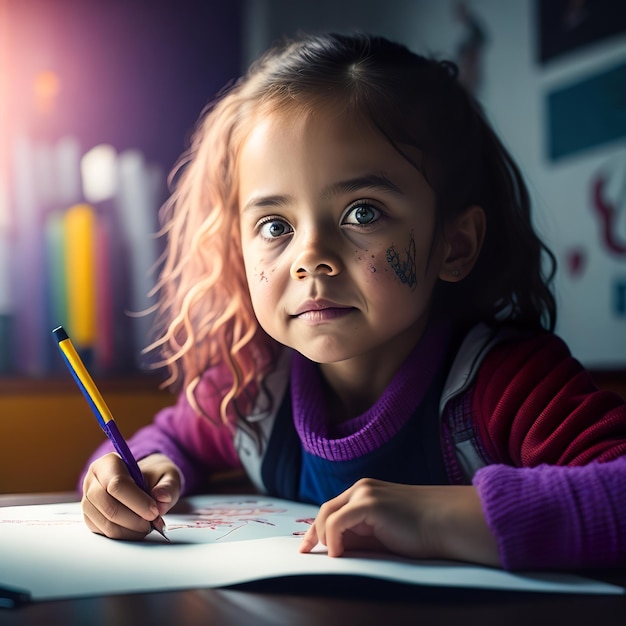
(205, 307)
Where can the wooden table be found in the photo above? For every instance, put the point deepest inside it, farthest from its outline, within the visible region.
(319, 600)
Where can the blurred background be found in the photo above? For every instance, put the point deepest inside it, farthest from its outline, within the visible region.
(98, 99)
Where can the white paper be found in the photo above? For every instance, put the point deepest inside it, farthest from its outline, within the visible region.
(222, 540)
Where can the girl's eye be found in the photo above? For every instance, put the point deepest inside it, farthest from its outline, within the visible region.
(361, 214)
(273, 228)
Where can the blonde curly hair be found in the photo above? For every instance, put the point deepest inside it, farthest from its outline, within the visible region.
(205, 307)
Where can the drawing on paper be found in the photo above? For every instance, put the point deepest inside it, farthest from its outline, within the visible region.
(41, 522)
(230, 516)
(207, 519)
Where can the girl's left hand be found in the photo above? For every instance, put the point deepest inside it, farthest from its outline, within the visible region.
(421, 522)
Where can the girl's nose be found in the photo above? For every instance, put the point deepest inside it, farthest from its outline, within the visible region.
(316, 258)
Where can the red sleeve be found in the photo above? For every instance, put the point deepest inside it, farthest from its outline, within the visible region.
(534, 403)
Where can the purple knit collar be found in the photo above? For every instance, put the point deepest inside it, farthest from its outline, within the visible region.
(369, 431)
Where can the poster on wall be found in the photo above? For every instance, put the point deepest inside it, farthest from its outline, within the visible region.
(587, 113)
(567, 25)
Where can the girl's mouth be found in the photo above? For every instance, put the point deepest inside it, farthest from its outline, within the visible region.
(318, 316)
(319, 311)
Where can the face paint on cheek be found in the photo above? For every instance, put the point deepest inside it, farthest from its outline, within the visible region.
(403, 263)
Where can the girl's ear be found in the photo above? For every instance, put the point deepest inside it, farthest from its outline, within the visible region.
(462, 239)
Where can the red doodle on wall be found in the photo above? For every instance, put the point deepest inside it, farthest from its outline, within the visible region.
(576, 260)
(609, 213)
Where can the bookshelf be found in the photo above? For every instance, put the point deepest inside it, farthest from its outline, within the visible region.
(97, 105)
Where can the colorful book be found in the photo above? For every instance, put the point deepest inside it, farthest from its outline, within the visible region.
(80, 269)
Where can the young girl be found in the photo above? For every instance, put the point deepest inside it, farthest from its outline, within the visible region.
(358, 312)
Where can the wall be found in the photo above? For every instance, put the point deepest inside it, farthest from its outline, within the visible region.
(591, 283)
(591, 278)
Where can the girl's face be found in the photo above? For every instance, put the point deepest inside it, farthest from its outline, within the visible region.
(337, 232)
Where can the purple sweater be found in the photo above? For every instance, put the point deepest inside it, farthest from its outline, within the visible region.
(554, 486)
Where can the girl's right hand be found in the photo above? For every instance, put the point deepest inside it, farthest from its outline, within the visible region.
(114, 506)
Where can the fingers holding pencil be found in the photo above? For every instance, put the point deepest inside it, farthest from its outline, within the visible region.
(104, 492)
(163, 481)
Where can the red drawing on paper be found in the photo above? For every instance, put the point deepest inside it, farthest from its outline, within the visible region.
(224, 517)
(232, 516)
(304, 520)
(42, 522)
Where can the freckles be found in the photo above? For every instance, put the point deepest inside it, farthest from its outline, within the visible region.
(368, 261)
(360, 256)
(259, 273)
(263, 275)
